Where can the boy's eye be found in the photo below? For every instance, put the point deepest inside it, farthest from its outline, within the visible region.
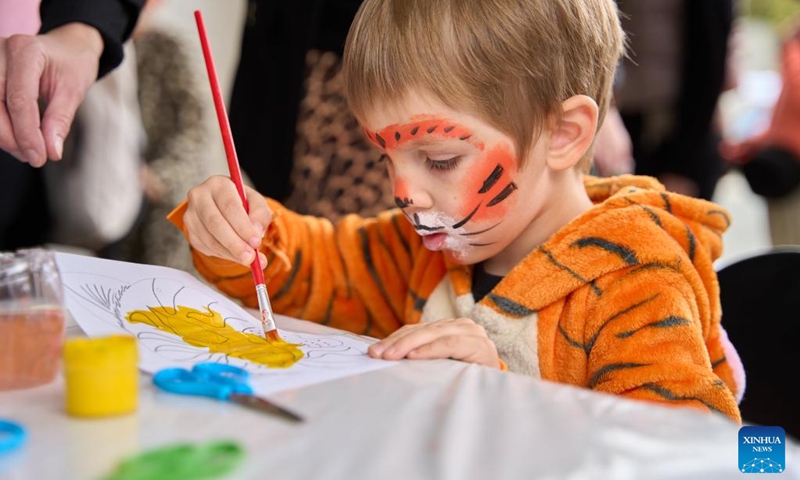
(448, 164)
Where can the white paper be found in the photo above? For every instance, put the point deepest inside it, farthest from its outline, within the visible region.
(100, 294)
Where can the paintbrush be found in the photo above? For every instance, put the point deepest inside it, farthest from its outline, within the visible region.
(267, 317)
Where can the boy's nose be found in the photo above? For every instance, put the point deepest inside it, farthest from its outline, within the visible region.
(413, 200)
(410, 193)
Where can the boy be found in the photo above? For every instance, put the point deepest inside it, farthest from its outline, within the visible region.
(501, 251)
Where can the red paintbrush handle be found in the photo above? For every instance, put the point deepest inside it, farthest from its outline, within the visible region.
(227, 136)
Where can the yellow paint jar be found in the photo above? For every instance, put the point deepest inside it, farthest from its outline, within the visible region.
(101, 375)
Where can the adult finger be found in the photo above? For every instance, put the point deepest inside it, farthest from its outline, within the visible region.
(26, 62)
(7, 140)
(58, 117)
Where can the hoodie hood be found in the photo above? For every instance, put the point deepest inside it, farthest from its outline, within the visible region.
(635, 222)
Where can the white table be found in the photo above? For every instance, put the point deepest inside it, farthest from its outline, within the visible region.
(417, 420)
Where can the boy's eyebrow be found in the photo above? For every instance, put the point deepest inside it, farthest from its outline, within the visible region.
(422, 133)
(428, 140)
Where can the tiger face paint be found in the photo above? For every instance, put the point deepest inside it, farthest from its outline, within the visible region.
(456, 178)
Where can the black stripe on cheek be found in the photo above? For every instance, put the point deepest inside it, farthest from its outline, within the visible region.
(397, 135)
(432, 129)
(502, 195)
(492, 179)
(380, 140)
(449, 129)
(414, 130)
(466, 219)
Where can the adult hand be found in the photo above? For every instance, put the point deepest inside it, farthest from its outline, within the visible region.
(458, 338)
(56, 68)
(218, 225)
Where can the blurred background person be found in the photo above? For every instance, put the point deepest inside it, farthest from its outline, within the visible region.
(767, 150)
(295, 136)
(613, 149)
(669, 86)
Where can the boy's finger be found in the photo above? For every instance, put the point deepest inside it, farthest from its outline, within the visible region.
(459, 348)
(224, 239)
(229, 204)
(422, 336)
(377, 349)
(221, 236)
(202, 240)
(260, 214)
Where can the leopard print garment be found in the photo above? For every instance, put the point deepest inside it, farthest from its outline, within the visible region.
(336, 170)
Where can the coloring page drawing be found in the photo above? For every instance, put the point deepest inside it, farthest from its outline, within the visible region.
(179, 321)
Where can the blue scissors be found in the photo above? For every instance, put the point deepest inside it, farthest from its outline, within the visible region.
(220, 381)
(12, 436)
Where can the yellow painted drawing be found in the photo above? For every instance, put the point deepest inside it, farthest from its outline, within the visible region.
(207, 329)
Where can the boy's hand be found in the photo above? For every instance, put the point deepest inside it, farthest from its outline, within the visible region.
(457, 338)
(217, 224)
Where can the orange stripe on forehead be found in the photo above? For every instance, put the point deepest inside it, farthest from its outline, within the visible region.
(394, 136)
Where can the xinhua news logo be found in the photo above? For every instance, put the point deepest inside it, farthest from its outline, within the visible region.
(762, 450)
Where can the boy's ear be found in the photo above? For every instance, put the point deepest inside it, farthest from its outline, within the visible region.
(573, 134)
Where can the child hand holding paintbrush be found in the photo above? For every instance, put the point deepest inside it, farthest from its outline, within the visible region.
(251, 229)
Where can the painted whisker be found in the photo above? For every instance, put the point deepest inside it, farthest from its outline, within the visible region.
(480, 231)
(426, 228)
(466, 219)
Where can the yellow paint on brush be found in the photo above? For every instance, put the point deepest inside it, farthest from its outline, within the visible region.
(207, 329)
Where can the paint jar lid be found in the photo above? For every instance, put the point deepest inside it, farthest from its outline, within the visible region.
(29, 277)
(101, 351)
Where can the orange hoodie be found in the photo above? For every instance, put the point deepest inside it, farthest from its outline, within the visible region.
(623, 299)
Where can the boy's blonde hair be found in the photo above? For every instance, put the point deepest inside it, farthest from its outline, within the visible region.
(509, 62)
